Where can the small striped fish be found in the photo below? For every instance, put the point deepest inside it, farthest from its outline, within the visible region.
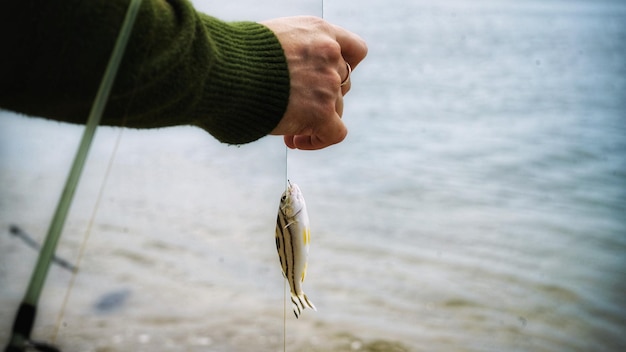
(292, 242)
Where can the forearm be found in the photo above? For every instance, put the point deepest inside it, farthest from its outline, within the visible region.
(180, 67)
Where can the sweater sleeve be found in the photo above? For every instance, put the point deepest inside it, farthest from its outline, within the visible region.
(180, 68)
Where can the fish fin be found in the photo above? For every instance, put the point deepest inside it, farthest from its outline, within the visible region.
(300, 303)
(309, 303)
(297, 306)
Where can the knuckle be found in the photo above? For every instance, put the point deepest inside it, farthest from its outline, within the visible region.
(325, 102)
(315, 20)
(318, 24)
(329, 51)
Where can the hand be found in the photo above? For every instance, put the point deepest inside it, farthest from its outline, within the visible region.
(317, 53)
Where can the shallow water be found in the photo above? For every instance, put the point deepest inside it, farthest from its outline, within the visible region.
(477, 205)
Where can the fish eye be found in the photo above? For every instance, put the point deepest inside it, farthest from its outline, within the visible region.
(283, 198)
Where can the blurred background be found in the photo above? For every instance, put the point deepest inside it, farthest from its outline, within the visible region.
(478, 203)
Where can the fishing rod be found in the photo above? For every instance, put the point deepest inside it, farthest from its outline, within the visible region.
(25, 318)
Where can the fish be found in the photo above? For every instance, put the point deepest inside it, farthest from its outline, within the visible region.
(293, 236)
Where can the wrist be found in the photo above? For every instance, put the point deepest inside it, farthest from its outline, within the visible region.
(249, 82)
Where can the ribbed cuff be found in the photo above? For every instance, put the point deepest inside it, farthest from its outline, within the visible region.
(249, 82)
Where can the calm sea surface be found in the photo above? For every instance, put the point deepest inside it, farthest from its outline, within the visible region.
(478, 204)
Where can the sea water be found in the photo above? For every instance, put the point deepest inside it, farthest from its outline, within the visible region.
(478, 203)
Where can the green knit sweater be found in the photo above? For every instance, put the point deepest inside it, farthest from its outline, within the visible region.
(180, 68)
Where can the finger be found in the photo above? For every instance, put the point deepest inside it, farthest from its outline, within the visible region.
(305, 143)
(353, 47)
(332, 133)
(346, 88)
(339, 106)
(289, 142)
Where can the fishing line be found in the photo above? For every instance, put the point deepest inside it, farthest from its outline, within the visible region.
(286, 167)
(285, 281)
(286, 287)
(86, 237)
(285, 315)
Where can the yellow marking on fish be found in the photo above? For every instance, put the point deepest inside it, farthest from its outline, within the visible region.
(304, 271)
(306, 236)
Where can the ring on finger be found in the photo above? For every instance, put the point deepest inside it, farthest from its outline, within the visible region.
(347, 79)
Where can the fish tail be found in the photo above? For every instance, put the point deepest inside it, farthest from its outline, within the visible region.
(300, 303)
(308, 303)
